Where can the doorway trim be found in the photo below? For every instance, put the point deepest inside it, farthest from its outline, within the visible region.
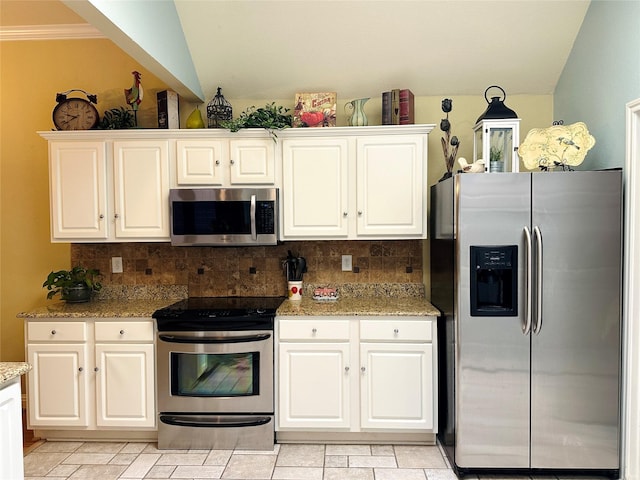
(631, 307)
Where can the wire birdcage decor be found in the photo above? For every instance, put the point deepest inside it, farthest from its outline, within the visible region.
(218, 110)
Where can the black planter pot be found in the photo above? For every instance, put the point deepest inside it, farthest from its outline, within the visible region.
(76, 294)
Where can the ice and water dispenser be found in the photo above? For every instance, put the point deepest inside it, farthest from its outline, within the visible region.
(494, 277)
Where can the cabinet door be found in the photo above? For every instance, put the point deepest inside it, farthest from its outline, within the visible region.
(125, 385)
(314, 383)
(252, 161)
(77, 176)
(396, 386)
(390, 190)
(315, 188)
(200, 162)
(141, 184)
(57, 385)
(11, 461)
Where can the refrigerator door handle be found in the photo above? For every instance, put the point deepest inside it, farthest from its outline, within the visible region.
(526, 324)
(538, 317)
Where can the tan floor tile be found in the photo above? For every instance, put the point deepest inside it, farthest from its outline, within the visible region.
(272, 451)
(414, 456)
(348, 450)
(39, 464)
(134, 447)
(292, 455)
(218, 457)
(399, 474)
(253, 467)
(197, 471)
(348, 474)
(182, 459)
(160, 471)
(63, 471)
(100, 447)
(297, 473)
(97, 472)
(382, 450)
(141, 465)
(123, 459)
(58, 447)
(441, 474)
(88, 458)
(385, 461)
(335, 461)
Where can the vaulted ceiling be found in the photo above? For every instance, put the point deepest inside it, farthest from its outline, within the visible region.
(259, 49)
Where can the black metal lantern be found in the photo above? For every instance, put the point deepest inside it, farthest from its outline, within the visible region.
(497, 136)
(218, 110)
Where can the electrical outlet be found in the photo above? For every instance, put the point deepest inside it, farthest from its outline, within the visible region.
(116, 265)
(347, 263)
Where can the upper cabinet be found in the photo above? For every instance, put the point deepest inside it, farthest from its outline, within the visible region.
(221, 162)
(355, 183)
(335, 183)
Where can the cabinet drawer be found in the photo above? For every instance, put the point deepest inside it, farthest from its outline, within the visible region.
(124, 331)
(314, 330)
(396, 330)
(56, 332)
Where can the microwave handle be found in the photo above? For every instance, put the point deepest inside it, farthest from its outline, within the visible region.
(254, 235)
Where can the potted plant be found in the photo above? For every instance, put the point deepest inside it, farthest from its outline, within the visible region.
(270, 117)
(75, 285)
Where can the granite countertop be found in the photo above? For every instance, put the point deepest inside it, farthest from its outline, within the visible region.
(11, 370)
(99, 308)
(360, 306)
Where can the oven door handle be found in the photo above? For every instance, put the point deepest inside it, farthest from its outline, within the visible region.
(260, 337)
(214, 421)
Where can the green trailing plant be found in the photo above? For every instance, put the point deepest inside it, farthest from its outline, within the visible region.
(117, 119)
(62, 280)
(495, 154)
(271, 117)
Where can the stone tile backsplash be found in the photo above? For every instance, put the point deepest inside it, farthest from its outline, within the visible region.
(249, 271)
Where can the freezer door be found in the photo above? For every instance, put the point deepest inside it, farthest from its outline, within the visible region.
(575, 412)
(492, 354)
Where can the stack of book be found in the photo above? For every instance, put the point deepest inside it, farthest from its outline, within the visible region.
(398, 107)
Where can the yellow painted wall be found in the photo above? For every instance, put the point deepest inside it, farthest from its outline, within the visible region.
(32, 72)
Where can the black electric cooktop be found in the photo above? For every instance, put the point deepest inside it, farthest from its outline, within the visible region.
(214, 312)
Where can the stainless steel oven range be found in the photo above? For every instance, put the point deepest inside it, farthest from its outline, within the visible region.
(215, 373)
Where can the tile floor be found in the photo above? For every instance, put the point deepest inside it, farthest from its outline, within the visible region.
(113, 460)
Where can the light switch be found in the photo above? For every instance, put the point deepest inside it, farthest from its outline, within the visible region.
(116, 264)
(347, 263)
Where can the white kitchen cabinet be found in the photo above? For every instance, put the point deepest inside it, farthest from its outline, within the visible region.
(224, 162)
(354, 183)
(103, 190)
(315, 187)
(11, 461)
(356, 374)
(141, 189)
(91, 374)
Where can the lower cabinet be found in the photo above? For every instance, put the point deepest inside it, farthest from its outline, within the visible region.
(91, 374)
(11, 462)
(338, 374)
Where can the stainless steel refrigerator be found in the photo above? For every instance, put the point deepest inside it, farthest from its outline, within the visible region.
(526, 269)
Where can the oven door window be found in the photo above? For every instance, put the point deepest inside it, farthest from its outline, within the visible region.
(215, 374)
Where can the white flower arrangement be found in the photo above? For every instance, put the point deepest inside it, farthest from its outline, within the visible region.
(557, 146)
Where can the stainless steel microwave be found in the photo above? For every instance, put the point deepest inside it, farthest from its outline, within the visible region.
(224, 216)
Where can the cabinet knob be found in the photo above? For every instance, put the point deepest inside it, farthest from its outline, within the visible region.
(344, 214)
(116, 215)
(346, 369)
(80, 369)
(53, 332)
(101, 216)
(96, 369)
(217, 162)
(314, 331)
(360, 212)
(121, 332)
(363, 369)
(396, 331)
(233, 162)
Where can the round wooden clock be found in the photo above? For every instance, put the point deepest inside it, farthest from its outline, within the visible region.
(75, 113)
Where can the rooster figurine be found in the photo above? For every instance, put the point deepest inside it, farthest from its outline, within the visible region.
(134, 94)
(475, 167)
